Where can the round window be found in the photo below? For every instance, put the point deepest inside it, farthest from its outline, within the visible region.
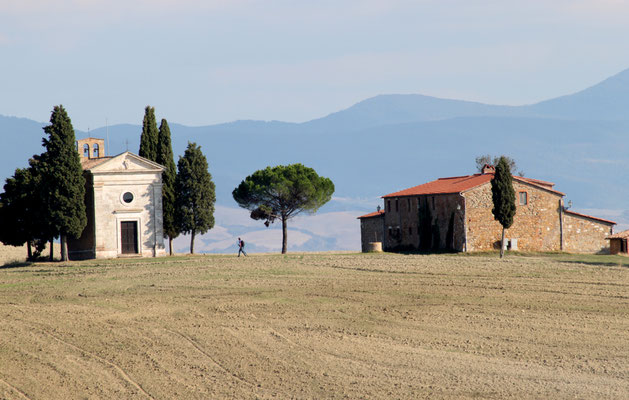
(127, 197)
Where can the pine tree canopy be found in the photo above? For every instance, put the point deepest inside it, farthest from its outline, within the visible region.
(283, 192)
(149, 138)
(502, 194)
(195, 192)
(165, 158)
(62, 181)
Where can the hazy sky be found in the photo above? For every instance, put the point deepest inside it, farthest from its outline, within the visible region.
(200, 62)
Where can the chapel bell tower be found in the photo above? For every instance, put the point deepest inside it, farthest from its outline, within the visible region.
(90, 148)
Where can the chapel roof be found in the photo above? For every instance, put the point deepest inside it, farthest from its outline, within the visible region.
(89, 163)
(94, 164)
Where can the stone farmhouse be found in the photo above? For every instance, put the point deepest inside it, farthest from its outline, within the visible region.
(123, 197)
(455, 214)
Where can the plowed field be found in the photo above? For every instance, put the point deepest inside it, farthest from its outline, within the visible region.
(315, 326)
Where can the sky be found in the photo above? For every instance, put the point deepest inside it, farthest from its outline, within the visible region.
(201, 62)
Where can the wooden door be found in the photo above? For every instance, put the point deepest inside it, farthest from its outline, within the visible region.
(129, 237)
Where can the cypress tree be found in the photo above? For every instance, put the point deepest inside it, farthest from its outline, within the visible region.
(62, 181)
(165, 158)
(148, 140)
(503, 197)
(195, 194)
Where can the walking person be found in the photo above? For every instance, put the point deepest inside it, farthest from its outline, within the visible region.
(241, 247)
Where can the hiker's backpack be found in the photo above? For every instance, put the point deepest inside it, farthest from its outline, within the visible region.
(242, 243)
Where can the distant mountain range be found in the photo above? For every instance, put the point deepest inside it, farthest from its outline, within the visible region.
(390, 142)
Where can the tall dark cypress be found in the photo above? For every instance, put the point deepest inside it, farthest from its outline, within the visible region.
(503, 197)
(165, 158)
(195, 194)
(148, 140)
(62, 181)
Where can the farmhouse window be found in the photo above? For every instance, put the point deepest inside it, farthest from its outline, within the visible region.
(410, 231)
(523, 198)
(408, 202)
(388, 205)
(433, 202)
(397, 205)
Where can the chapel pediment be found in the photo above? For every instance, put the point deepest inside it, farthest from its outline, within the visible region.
(124, 162)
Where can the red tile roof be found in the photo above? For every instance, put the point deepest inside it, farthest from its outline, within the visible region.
(590, 217)
(620, 235)
(445, 185)
(460, 184)
(371, 215)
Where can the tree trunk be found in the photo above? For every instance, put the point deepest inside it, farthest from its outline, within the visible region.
(192, 242)
(29, 251)
(52, 256)
(284, 236)
(64, 247)
(170, 245)
(502, 243)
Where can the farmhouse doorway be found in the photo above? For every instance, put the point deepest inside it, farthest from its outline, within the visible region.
(129, 237)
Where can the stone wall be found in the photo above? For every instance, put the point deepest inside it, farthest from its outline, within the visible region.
(536, 224)
(400, 214)
(403, 229)
(371, 230)
(585, 235)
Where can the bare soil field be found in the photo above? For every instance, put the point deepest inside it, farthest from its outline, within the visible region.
(316, 326)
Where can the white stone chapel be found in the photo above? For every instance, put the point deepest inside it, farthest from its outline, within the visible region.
(123, 198)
